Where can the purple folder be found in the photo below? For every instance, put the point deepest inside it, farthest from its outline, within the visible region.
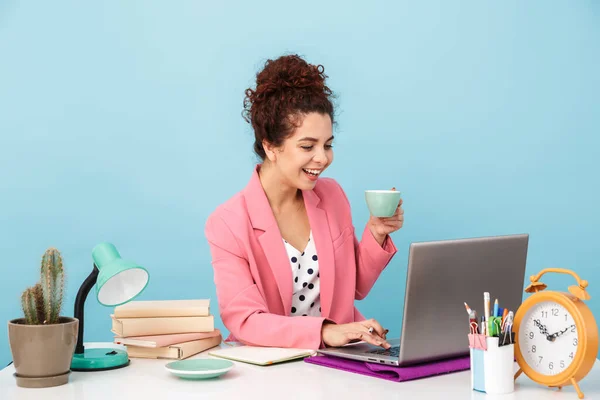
(392, 373)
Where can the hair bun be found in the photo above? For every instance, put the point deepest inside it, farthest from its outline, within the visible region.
(284, 87)
(288, 73)
(293, 72)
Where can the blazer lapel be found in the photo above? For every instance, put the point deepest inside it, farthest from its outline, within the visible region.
(321, 234)
(269, 237)
(274, 250)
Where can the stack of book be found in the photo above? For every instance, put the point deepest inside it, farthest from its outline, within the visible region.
(171, 329)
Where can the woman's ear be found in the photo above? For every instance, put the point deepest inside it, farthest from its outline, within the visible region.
(269, 151)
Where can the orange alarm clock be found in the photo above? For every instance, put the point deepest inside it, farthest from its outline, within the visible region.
(556, 334)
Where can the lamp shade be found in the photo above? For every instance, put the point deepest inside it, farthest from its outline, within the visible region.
(119, 280)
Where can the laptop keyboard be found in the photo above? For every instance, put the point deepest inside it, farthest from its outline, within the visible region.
(392, 351)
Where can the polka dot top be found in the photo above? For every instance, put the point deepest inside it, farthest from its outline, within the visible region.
(306, 299)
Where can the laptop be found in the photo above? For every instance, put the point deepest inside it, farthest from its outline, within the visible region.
(441, 277)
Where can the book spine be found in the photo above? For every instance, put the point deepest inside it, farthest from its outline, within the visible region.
(175, 352)
(126, 327)
(161, 312)
(192, 348)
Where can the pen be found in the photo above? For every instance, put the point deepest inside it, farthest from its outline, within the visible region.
(486, 307)
(496, 308)
(504, 315)
(468, 308)
(482, 325)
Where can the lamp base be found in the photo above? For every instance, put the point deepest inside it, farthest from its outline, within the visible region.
(99, 359)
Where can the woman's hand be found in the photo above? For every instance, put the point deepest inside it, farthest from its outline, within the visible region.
(380, 227)
(339, 335)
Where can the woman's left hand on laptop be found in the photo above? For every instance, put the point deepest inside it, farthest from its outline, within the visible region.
(370, 331)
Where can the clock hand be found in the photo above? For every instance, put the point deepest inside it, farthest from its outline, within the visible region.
(542, 328)
(559, 333)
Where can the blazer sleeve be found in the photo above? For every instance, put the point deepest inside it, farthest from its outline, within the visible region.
(243, 309)
(371, 258)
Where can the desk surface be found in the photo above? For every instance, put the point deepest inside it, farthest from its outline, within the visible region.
(148, 379)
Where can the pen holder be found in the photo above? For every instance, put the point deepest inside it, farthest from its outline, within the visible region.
(492, 363)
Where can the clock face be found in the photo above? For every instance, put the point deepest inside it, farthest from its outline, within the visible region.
(548, 338)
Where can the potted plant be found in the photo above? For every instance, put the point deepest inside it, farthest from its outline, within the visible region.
(43, 342)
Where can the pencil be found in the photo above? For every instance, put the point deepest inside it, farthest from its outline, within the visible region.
(495, 308)
(468, 308)
(486, 309)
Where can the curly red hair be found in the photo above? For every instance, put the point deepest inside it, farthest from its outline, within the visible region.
(286, 89)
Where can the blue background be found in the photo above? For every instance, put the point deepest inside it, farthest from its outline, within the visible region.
(122, 122)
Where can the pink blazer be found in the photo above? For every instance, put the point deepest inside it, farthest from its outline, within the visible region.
(253, 276)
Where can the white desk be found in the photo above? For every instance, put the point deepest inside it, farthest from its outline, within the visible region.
(147, 379)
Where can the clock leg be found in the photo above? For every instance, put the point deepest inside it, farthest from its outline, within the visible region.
(576, 386)
(519, 372)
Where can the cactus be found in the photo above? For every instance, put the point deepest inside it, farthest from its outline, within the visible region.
(29, 307)
(42, 303)
(52, 284)
(39, 301)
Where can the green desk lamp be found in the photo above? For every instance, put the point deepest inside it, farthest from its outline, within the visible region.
(117, 282)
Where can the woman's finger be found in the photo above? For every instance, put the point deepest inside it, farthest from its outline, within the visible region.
(372, 323)
(398, 217)
(394, 224)
(398, 214)
(391, 219)
(367, 337)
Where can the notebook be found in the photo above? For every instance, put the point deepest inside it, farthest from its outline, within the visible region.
(261, 355)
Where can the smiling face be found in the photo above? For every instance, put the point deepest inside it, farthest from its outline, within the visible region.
(306, 153)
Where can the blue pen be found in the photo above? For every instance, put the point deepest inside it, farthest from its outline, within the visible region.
(496, 308)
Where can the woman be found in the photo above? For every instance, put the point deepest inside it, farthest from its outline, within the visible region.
(287, 265)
